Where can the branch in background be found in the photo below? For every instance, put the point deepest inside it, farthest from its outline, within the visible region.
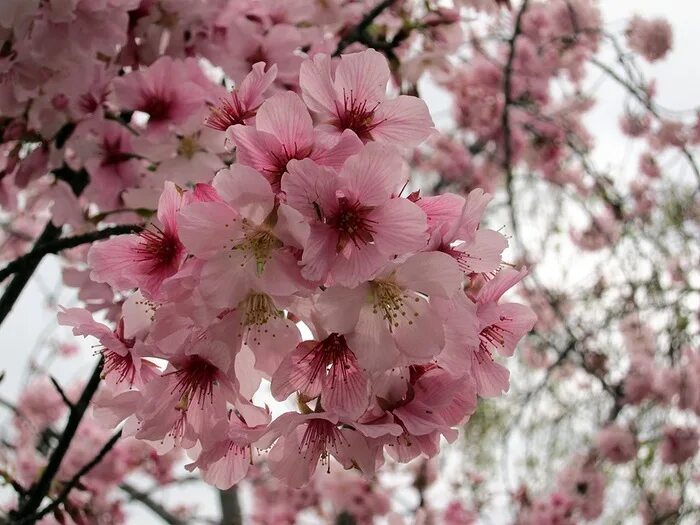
(359, 32)
(643, 99)
(77, 180)
(156, 507)
(505, 117)
(35, 495)
(61, 393)
(76, 478)
(230, 507)
(26, 261)
(345, 518)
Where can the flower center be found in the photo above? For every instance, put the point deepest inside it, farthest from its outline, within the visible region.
(394, 303)
(258, 243)
(121, 365)
(112, 152)
(331, 356)
(157, 105)
(279, 163)
(258, 308)
(187, 147)
(492, 336)
(158, 247)
(319, 437)
(229, 113)
(351, 222)
(356, 115)
(195, 381)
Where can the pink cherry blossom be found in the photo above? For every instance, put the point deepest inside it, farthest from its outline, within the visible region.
(146, 259)
(354, 98)
(284, 132)
(357, 222)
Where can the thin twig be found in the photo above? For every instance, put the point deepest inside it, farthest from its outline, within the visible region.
(61, 392)
(154, 506)
(76, 478)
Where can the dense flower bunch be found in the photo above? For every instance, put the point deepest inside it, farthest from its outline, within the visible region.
(290, 239)
(401, 294)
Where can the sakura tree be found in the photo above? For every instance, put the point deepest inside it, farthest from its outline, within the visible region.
(305, 286)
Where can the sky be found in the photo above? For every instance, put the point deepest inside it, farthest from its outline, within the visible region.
(678, 82)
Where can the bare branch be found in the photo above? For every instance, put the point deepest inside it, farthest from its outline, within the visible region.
(156, 507)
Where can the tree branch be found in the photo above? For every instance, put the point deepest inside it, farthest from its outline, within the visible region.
(505, 117)
(37, 492)
(359, 32)
(28, 260)
(76, 478)
(230, 507)
(156, 507)
(77, 180)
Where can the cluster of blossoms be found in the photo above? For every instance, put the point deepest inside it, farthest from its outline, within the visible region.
(401, 294)
(291, 250)
(344, 496)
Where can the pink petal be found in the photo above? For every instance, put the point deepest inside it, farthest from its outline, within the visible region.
(419, 334)
(372, 343)
(207, 228)
(114, 261)
(319, 253)
(348, 395)
(431, 273)
(374, 174)
(362, 76)
(316, 85)
(339, 308)
(491, 378)
(295, 372)
(333, 150)
(496, 287)
(400, 227)
(251, 89)
(168, 206)
(310, 188)
(483, 254)
(246, 191)
(357, 265)
(285, 116)
(404, 121)
(255, 149)
(516, 321)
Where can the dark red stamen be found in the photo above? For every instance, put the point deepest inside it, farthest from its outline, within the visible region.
(352, 224)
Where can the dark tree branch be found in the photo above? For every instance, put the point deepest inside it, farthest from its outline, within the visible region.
(23, 263)
(70, 485)
(29, 504)
(77, 180)
(154, 506)
(230, 507)
(359, 32)
(61, 393)
(345, 518)
(505, 117)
